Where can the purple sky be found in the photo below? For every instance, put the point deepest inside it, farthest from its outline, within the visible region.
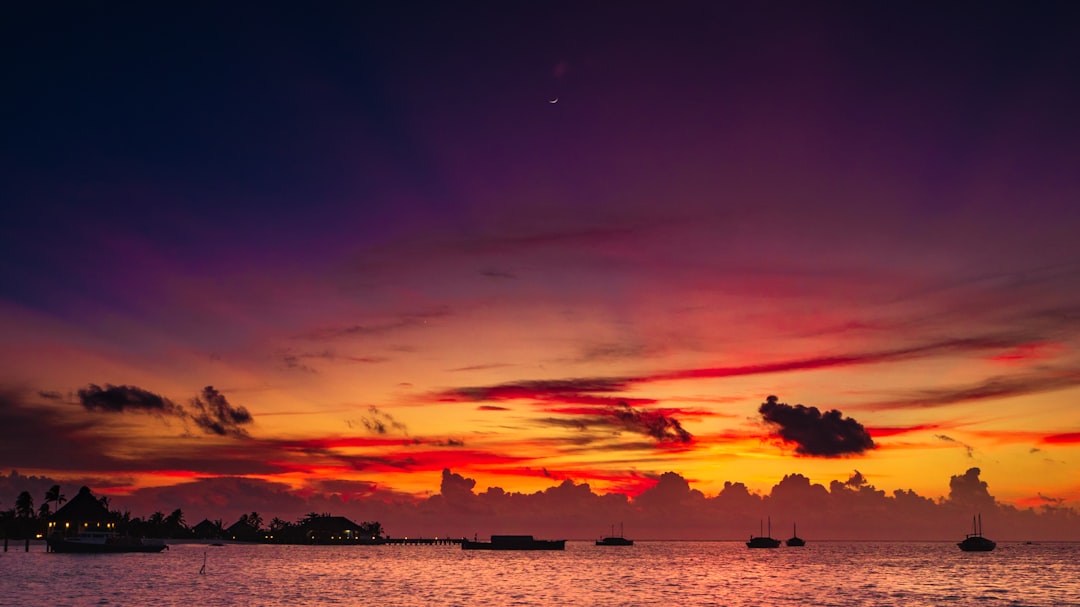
(337, 249)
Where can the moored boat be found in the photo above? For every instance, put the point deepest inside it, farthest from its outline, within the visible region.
(513, 542)
(974, 541)
(795, 540)
(102, 542)
(615, 540)
(763, 541)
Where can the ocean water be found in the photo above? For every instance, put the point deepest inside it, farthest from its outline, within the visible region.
(649, 573)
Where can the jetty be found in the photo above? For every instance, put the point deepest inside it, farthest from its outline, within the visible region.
(423, 541)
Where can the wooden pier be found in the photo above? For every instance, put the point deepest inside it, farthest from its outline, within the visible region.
(424, 541)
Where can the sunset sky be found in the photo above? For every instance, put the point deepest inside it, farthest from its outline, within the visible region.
(342, 249)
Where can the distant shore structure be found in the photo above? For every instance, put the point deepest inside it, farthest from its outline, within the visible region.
(513, 542)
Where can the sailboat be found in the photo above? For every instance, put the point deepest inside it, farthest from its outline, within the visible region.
(795, 540)
(763, 541)
(974, 541)
(615, 540)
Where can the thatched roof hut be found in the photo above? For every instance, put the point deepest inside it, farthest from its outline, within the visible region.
(82, 513)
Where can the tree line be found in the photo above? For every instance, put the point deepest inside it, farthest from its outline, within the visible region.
(23, 521)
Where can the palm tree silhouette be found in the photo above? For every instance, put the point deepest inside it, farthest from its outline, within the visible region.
(24, 505)
(54, 495)
(175, 523)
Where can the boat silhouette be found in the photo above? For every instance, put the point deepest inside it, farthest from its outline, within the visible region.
(615, 540)
(513, 542)
(795, 540)
(763, 541)
(974, 541)
(102, 542)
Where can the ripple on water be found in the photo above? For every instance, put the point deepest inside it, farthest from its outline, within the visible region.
(650, 573)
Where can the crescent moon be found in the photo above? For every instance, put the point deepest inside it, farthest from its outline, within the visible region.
(555, 100)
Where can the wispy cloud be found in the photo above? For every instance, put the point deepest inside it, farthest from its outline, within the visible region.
(657, 424)
(581, 390)
(379, 422)
(299, 361)
(991, 388)
(381, 327)
(944, 437)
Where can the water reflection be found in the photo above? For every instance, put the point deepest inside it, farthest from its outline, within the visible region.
(650, 573)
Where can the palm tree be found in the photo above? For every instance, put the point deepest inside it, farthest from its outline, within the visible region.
(255, 520)
(54, 495)
(156, 522)
(176, 519)
(372, 529)
(24, 505)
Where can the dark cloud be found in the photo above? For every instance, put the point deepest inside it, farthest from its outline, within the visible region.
(657, 424)
(213, 413)
(651, 423)
(1051, 500)
(117, 399)
(815, 433)
(50, 394)
(856, 480)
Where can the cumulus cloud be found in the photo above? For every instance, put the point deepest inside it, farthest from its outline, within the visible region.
(213, 413)
(814, 433)
(117, 399)
(970, 491)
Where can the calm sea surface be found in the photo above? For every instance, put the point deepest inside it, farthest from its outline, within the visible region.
(650, 573)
